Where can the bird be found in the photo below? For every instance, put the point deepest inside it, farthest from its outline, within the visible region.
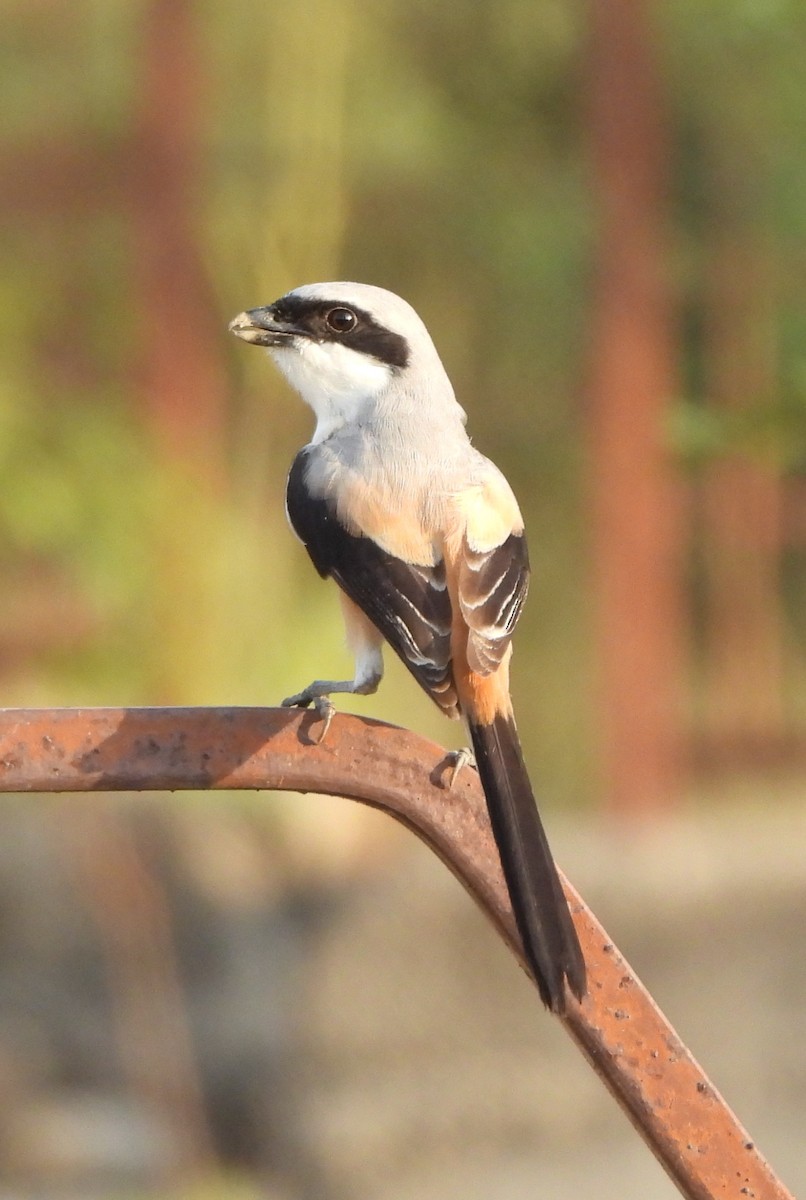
(424, 538)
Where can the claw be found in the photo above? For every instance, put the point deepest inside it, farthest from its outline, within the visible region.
(322, 705)
(459, 759)
(324, 710)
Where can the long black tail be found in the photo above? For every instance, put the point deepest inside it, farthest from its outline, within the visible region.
(538, 902)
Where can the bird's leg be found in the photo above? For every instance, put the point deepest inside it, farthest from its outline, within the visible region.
(319, 692)
(365, 642)
(368, 674)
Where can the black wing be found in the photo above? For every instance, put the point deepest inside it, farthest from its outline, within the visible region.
(492, 588)
(409, 604)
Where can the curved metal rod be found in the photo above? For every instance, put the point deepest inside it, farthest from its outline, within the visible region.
(618, 1027)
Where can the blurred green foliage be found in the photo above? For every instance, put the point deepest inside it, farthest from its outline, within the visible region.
(437, 150)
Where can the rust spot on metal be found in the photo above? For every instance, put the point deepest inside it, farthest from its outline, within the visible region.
(618, 1026)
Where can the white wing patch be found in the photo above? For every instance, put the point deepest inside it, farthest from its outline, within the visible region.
(492, 566)
(492, 588)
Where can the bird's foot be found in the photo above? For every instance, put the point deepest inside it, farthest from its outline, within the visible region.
(457, 761)
(323, 706)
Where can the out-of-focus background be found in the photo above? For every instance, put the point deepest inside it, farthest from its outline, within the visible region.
(600, 211)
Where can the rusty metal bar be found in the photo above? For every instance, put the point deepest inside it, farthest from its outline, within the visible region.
(618, 1027)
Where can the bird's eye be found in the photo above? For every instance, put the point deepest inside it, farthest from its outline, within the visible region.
(341, 320)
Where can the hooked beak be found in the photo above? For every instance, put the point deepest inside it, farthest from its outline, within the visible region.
(260, 327)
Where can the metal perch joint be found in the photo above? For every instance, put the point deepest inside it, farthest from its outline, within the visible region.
(618, 1027)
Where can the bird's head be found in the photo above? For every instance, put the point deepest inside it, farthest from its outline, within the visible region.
(341, 345)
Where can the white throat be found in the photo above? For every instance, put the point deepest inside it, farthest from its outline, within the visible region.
(338, 383)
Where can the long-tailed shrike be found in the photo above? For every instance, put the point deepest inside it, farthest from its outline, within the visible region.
(425, 539)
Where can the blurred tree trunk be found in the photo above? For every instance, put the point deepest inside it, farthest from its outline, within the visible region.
(743, 507)
(183, 372)
(636, 506)
(181, 346)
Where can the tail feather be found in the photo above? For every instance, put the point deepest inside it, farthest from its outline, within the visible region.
(541, 912)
